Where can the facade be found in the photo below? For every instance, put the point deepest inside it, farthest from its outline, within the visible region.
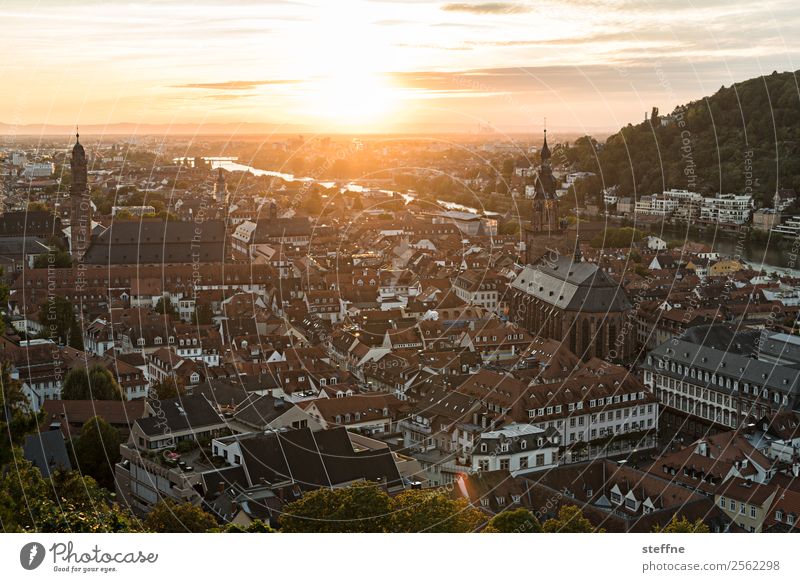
(517, 448)
(574, 301)
(80, 203)
(720, 388)
(765, 219)
(656, 205)
(727, 209)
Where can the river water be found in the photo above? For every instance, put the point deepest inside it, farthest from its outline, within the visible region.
(766, 255)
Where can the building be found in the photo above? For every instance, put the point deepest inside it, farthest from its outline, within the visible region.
(717, 388)
(159, 242)
(727, 209)
(765, 219)
(517, 448)
(80, 203)
(220, 196)
(790, 227)
(576, 301)
(656, 205)
(39, 169)
(479, 288)
(544, 218)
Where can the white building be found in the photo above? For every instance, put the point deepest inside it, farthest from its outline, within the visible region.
(656, 205)
(727, 209)
(517, 448)
(39, 169)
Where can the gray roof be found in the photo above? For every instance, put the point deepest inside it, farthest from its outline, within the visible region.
(780, 346)
(572, 286)
(515, 435)
(47, 451)
(281, 227)
(156, 241)
(262, 411)
(782, 379)
(22, 245)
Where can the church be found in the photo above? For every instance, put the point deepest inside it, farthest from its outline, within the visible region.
(560, 296)
(80, 203)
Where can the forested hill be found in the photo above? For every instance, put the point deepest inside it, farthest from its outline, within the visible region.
(709, 145)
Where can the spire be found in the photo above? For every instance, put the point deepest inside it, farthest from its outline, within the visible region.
(545, 149)
(77, 135)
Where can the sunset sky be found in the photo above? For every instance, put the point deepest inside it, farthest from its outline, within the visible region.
(381, 66)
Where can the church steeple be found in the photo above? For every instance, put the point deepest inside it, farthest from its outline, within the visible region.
(80, 203)
(545, 150)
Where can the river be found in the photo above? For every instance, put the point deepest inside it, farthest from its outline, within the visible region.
(766, 255)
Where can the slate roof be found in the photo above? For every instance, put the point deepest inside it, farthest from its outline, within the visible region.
(47, 451)
(782, 379)
(157, 241)
(315, 459)
(572, 286)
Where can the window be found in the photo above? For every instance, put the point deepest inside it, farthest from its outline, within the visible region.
(752, 511)
(721, 501)
(616, 498)
(483, 447)
(523, 462)
(790, 519)
(539, 460)
(779, 515)
(504, 464)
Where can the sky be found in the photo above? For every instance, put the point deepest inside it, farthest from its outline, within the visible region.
(380, 65)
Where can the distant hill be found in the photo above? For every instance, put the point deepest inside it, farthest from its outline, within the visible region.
(743, 136)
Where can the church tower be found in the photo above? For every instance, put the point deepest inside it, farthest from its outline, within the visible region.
(220, 189)
(80, 215)
(544, 211)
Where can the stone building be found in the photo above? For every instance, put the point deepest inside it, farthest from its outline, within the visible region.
(564, 298)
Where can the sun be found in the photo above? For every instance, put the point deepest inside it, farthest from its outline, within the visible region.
(352, 100)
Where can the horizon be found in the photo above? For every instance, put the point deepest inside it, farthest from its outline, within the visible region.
(369, 67)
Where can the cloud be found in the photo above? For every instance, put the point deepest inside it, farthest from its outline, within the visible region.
(235, 85)
(487, 8)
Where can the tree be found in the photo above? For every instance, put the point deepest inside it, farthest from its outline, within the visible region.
(97, 450)
(58, 317)
(16, 417)
(683, 525)
(165, 307)
(418, 510)
(360, 508)
(256, 526)
(67, 502)
(96, 384)
(58, 259)
(570, 520)
(171, 517)
(514, 521)
(167, 388)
